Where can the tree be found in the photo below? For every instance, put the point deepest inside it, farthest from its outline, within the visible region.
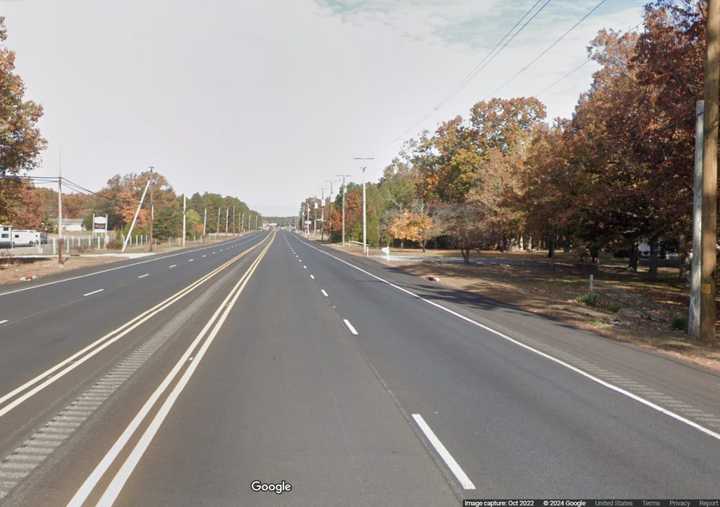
(193, 223)
(410, 226)
(20, 139)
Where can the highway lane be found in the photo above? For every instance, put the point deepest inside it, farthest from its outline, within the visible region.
(295, 366)
(50, 322)
(35, 367)
(82, 403)
(283, 393)
(507, 413)
(21, 300)
(687, 388)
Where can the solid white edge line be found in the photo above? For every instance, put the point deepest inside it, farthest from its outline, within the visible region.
(102, 271)
(499, 334)
(324, 293)
(93, 292)
(453, 465)
(3, 321)
(350, 327)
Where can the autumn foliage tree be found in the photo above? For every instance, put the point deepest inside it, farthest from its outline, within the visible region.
(617, 173)
(20, 139)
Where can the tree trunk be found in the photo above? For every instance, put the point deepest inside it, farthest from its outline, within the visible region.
(465, 251)
(551, 247)
(633, 260)
(653, 258)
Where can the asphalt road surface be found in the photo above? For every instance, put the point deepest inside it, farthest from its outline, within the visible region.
(269, 370)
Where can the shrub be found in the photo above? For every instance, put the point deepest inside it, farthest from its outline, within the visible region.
(589, 299)
(679, 323)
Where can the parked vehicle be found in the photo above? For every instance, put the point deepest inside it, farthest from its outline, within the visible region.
(25, 237)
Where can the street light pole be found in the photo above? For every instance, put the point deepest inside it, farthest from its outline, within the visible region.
(343, 176)
(365, 248)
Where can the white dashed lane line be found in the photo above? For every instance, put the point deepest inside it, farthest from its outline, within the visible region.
(191, 260)
(98, 291)
(324, 293)
(3, 321)
(312, 276)
(453, 465)
(350, 327)
(145, 275)
(171, 266)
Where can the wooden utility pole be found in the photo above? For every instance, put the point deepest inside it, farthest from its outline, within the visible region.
(710, 153)
(204, 223)
(184, 222)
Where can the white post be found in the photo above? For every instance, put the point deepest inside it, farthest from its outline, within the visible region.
(60, 217)
(365, 251)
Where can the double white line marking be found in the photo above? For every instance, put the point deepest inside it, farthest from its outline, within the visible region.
(123, 474)
(33, 386)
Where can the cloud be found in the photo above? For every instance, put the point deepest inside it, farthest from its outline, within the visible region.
(469, 24)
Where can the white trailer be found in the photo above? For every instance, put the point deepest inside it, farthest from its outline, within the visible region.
(25, 237)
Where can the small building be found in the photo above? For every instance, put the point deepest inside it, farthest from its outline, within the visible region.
(73, 225)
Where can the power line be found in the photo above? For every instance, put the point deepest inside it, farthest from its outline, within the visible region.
(575, 69)
(499, 46)
(551, 46)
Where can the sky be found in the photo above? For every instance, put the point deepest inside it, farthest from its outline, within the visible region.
(267, 100)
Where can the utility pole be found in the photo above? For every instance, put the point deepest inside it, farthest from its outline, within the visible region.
(329, 201)
(242, 222)
(365, 248)
(137, 212)
(233, 220)
(152, 206)
(184, 219)
(204, 223)
(322, 213)
(710, 153)
(60, 242)
(227, 215)
(217, 229)
(343, 176)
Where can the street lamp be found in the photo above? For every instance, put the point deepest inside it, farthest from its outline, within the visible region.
(343, 176)
(365, 248)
